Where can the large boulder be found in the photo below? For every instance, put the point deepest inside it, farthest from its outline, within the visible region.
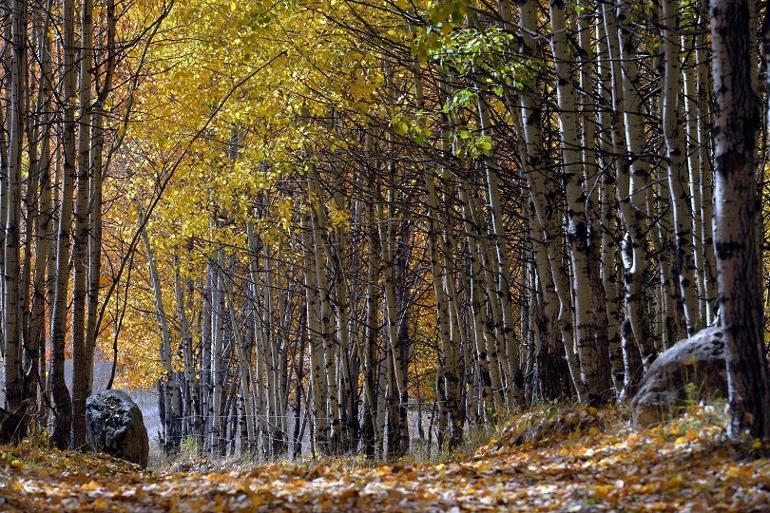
(115, 426)
(693, 369)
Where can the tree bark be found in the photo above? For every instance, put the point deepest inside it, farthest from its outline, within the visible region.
(736, 214)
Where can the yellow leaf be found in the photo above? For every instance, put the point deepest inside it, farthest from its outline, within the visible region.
(632, 440)
(733, 472)
(675, 482)
(603, 490)
(89, 486)
(100, 504)
(647, 488)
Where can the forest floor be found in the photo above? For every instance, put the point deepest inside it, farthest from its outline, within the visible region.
(575, 460)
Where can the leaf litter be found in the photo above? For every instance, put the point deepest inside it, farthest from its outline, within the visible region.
(576, 460)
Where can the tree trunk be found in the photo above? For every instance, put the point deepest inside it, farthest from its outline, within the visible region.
(82, 361)
(12, 327)
(61, 396)
(736, 214)
(591, 338)
(677, 166)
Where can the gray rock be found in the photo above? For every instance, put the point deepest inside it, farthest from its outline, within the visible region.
(115, 426)
(692, 369)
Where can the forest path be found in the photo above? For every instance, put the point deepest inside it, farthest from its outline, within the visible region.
(579, 461)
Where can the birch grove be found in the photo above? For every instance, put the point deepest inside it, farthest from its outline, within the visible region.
(390, 228)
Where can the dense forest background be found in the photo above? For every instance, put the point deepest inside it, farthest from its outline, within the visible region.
(317, 219)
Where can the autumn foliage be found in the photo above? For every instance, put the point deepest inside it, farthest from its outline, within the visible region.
(549, 459)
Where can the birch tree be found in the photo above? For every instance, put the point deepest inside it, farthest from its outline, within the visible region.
(736, 212)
